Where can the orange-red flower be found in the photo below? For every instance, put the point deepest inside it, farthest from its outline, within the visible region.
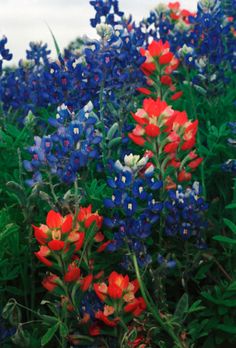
(86, 282)
(50, 282)
(117, 285)
(136, 307)
(86, 216)
(73, 273)
(41, 255)
(109, 322)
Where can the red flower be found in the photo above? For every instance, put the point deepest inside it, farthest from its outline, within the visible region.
(86, 282)
(101, 316)
(40, 233)
(73, 273)
(95, 330)
(152, 130)
(86, 216)
(50, 283)
(171, 147)
(156, 48)
(195, 163)
(137, 139)
(166, 80)
(117, 284)
(139, 119)
(54, 219)
(103, 246)
(174, 163)
(136, 307)
(177, 95)
(56, 244)
(43, 251)
(174, 6)
(77, 238)
(144, 90)
(148, 68)
(184, 176)
(189, 144)
(67, 224)
(154, 108)
(101, 290)
(166, 58)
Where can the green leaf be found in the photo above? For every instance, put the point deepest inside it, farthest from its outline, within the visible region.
(18, 192)
(232, 286)
(54, 41)
(227, 328)
(181, 308)
(195, 307)
(114, 142)
(63, 330)
(231, 225)
(224, 239)
(49, 334)
(112, 131)
(231, 206)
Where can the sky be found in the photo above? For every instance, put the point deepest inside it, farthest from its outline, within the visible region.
(23, 21)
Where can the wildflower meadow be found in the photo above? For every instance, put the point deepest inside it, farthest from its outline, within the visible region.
(118, 183)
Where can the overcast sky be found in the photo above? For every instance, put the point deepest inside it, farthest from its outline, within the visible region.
(23, 21)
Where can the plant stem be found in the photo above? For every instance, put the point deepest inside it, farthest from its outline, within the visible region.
(151, 306)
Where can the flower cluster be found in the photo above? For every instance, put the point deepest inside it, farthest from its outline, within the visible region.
(119, 298)
(184, 214)
(38, 53)
(170, 136)
(61, 234)
(67, 150)
(134, 205)
(160, 63)
(61, 242)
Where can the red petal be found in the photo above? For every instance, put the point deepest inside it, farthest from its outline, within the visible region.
(143, 90)
(152, 130)
(171, 147)
(103, 246)
(194, 164)
(40, 235)
(138, 119)
(177, 95)
(136, 139)
(43, 259)
(79, 243)
(184, 176)
(56, 244)
(155, 48)
(67, 224)
(54, 219)
(148, 68)
(86, 282)
(189, 144)
(166, 58)
(166, 80)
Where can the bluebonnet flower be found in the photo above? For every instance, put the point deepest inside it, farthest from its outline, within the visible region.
(90, 304)
(166, 262)
(64, 152)
(185, 213)
(4, 52)
(38, 52)
(134, 206)
(113, 62)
